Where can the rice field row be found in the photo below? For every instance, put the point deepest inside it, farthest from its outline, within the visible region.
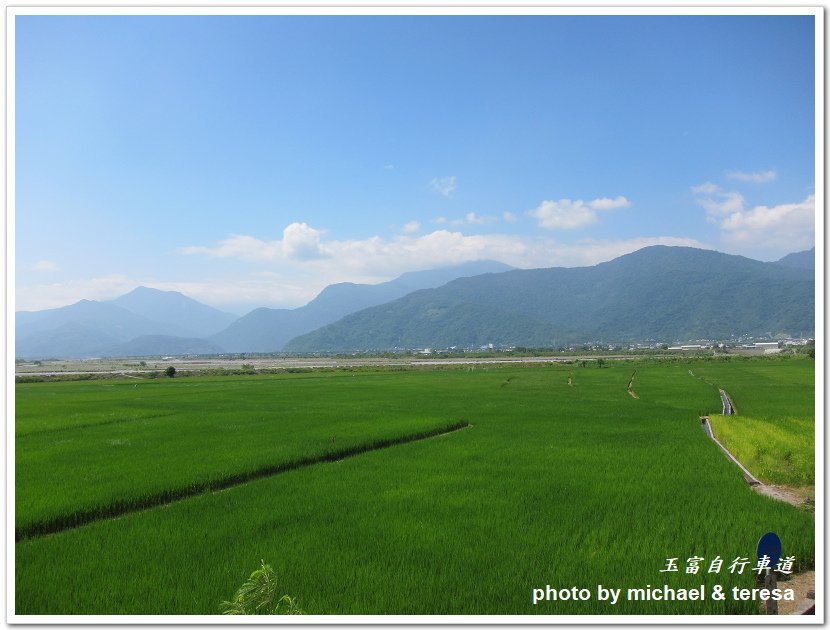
(564, 484)
(773, 433)
(127, 445)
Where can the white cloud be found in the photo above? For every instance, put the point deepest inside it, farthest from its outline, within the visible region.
(440, 220)
(761, 177)
(411, 227)
(765, 232)
(46, 266)
(706, 188)
(257, 289)
(783, 228)
(54, 295)
(242, 247)
(716, 201)
(565, 214)
(292, 282)
(610, 204)
(301, 242)
(444, 185)
(509, 217)
(474, 219)
(375, 259)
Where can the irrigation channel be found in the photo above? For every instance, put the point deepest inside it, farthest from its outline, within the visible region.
(780, 494)
(807, 605)
(728, 408)
(120, 508)
(750, 478)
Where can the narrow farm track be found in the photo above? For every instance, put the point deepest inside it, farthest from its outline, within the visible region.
(102, 423)
(121, 508)
(748, 476)
(631, 384)
(779, 493)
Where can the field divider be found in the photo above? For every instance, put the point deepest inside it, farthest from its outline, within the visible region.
(92, 425)
(631, 384)
(751, 479)
(166, 497)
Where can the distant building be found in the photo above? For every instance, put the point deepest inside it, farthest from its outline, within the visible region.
(767, 347)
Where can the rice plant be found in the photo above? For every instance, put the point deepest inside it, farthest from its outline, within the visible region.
(259, 596)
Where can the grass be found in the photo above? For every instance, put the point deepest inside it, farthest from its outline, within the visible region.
(777, 451)
(97, 447)
(773, 434)
(568, 485)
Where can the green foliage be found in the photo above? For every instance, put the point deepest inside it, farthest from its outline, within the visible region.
(170, 371)
(105, 447)
(773, 434)
(552, 484)
(684, 289)
(258, 596)
(777, 451)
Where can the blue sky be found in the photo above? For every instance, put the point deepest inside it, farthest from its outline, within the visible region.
(250, 161)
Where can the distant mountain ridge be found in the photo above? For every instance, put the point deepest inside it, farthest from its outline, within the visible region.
(662, 293)
(800, 260)
(149, 322)
(659, 293)
(178, 312)
(89, 328)
(268, 330)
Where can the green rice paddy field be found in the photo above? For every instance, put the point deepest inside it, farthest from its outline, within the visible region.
(773, 433)
(435, 491)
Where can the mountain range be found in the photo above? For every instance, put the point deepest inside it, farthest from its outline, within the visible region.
(268, 329)
(661, 293)
(149, 322)
(658, 293)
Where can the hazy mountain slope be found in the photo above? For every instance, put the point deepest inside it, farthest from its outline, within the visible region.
(159, 345)
(93, 329)
(178, 313)
(800, 260)
(67, 340)
(104, 318)
(267, 330)
(664, 293)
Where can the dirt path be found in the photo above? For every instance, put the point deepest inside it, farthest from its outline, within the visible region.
(804, 585)
(799, 499)
(793, 496)
(748, 476)
(630, 384)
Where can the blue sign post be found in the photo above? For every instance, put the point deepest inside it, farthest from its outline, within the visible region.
(769, 545)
